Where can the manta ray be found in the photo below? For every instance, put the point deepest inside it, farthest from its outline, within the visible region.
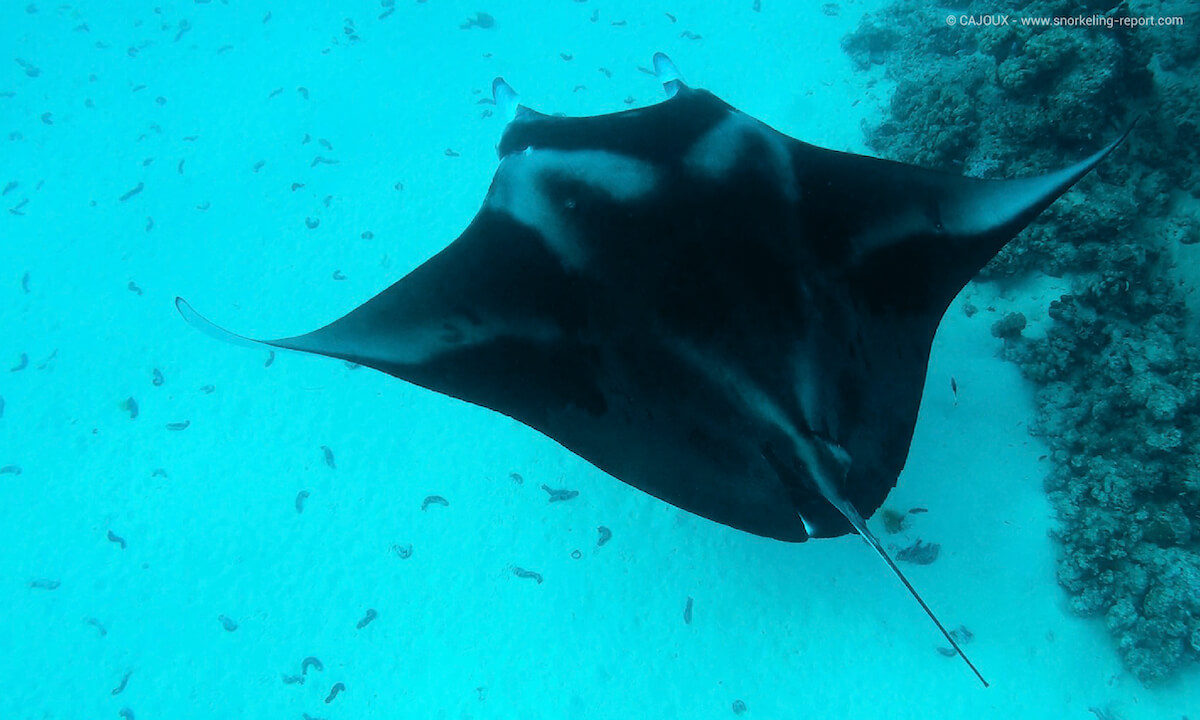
(731, 320)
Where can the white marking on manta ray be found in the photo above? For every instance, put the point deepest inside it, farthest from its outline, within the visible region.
(523, 179)
(721, 149)
(809, 393)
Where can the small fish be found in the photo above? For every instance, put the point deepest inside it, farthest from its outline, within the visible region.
(312, 662)
(120, 688)
(130, 406)
(529, 574)
(482, 20)
(962, 635)
(99, 627)
(560, 495)
(49, 358)
(919, 553)
(115, 538)
(134, 191)
(435, 500)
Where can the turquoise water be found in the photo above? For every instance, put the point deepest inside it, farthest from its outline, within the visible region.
(277, 164)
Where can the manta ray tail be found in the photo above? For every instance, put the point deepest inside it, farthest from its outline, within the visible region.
(827, 464)
(861, 527)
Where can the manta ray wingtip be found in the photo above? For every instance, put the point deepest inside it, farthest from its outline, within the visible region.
(210, 328)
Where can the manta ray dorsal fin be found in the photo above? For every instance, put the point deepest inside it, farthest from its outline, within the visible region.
(839, 458)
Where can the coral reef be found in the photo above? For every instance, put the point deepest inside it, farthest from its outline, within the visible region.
(1117, 372)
